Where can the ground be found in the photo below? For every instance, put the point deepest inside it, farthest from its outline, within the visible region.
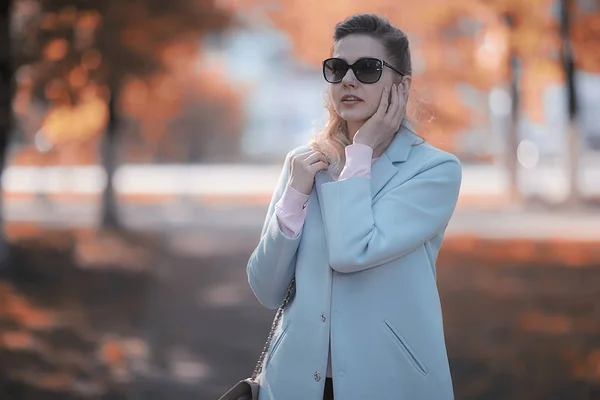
(166, 313)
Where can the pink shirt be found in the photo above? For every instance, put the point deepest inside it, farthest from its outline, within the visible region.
(291, 208)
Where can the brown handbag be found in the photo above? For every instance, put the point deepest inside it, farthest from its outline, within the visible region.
(247, 389)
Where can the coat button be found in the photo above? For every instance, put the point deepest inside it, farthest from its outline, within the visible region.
(317, 376)
(323, 317)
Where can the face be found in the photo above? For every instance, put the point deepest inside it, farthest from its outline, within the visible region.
(350, 49)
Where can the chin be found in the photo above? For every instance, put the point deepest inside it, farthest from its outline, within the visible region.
(354, 116)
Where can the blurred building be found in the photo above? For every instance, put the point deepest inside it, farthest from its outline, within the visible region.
(283, 97)
(549, 135)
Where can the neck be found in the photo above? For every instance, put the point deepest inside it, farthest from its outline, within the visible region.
(353, 127)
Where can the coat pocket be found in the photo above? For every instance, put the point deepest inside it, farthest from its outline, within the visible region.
(405, 347)
(277, 342)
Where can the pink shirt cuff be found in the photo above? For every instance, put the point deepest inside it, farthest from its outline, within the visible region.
(291, 208)
(359, 158)
(291, 211)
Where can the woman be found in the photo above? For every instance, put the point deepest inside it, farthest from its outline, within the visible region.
(358, 218)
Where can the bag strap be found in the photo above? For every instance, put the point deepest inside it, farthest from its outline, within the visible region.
(286, 299)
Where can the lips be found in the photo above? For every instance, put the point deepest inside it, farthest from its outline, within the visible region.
(350, 98)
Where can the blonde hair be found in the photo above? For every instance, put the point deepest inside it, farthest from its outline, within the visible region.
(332, 140)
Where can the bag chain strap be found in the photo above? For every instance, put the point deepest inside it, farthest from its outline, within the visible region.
(259, 364)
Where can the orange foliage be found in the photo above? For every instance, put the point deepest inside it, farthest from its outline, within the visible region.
(156, 100)
(56, 50)
(81, 122)
(57, 380)
(19, 309)
(475, 52)
(479, 57)
(17, 340)
(112, 352)
(550, 324)
(89, 52)
(594, 364)
(586, 39)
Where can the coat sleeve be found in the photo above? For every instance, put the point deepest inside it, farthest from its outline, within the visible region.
(272, 264)
(361, 235)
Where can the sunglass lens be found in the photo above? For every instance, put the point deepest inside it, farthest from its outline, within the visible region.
(368, 70)
(334, 70)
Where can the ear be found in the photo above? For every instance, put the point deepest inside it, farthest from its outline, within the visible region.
(405, 83)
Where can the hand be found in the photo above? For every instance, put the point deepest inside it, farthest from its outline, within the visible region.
(379, 130)
(304, 168)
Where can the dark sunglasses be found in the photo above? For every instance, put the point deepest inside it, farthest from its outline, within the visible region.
(366, 70)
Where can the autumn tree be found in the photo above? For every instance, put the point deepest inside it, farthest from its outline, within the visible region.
(451, 42)
(6, 89)
(574, 134)
(553, 39)
(522, 45)
(465, 41)
(80, 55)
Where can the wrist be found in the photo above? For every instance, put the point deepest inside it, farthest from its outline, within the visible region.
(359, 152)
(365, 142)
(292, 200)
(297, 186)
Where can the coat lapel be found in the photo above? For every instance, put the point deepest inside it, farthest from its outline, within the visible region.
(382, 172)
(383, 169)
(321, 178)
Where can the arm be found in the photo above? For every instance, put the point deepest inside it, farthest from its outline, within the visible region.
(291, 211)
(361, 235)
(291, 208)
(358, 162)
(272, 264)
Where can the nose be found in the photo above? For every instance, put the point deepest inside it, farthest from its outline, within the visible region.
(349, 80)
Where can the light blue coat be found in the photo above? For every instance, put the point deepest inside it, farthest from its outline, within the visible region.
(365, 277)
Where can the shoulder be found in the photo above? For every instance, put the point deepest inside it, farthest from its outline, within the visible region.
(425, 157)
(298, 150)
(428, 155)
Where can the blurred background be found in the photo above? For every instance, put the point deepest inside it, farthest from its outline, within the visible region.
(140, 142)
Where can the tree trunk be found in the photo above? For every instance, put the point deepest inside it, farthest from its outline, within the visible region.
(6, 92)
(513, 133)
(110, 217)
(512, 138)
(573, 134)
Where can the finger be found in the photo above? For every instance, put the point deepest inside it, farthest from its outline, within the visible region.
(397, 120)
(301, 158)
(318, 166)
(398, 110)
(305, 155)
(298, 158)
(317, 156)
(403, 103)
(321, 157)
(314, 157)
(393, 103)
(383, 103)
